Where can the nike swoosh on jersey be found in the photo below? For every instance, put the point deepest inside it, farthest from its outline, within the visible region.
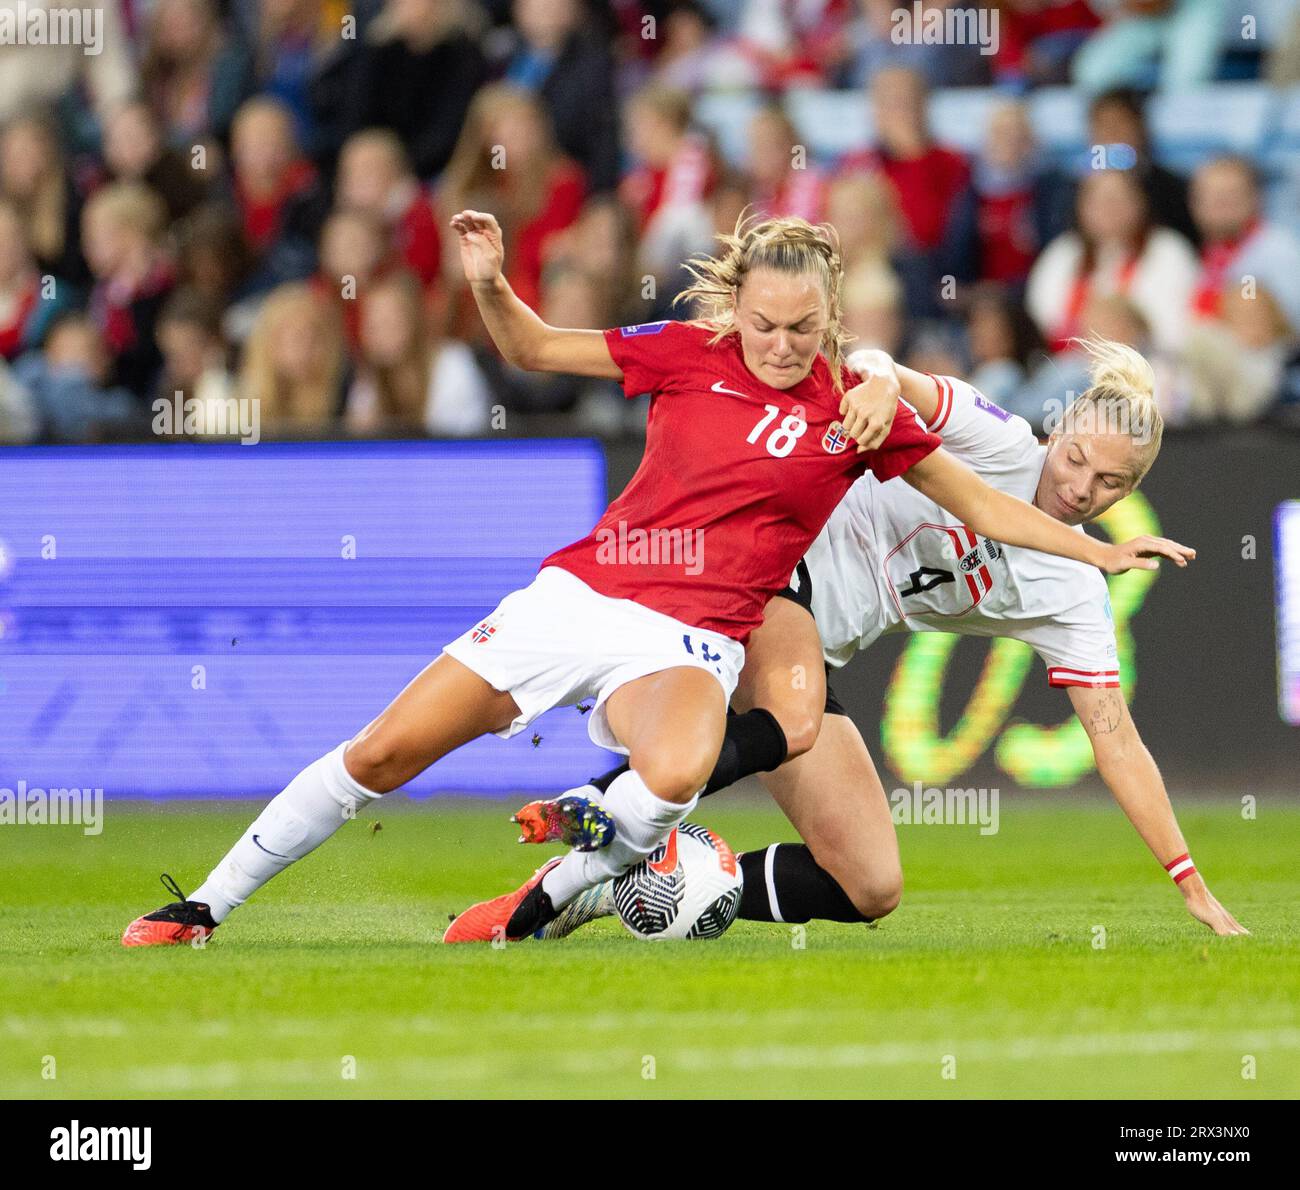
(719, 387)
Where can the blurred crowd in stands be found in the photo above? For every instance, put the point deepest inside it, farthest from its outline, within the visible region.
(250, 200)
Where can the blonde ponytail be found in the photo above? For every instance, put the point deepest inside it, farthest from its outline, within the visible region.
(786, 244)
(1121, 398)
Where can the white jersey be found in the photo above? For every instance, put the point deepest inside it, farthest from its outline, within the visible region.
(890, 560)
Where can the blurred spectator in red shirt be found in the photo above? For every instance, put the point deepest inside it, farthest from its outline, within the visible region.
(1242, 248)
(375, 176)
(800, 43)
(507, 162)
(1014, 205)
(1117, 249)
(122, 231)
(927, 178)
(194, 76)
(278, 191)
(355, 249)
(1037, 39)
(783, 180)
(668, 189)
(928, 181)
(25, 309)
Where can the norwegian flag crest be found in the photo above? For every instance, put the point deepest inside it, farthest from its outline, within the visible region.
(484, 632)
(835, 439)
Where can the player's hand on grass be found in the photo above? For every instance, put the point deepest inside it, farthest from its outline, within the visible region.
(867, 409)
(482, 251)
(1144, 553)
(1204, 906)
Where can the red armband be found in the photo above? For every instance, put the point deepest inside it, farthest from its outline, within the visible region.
(1180, 868)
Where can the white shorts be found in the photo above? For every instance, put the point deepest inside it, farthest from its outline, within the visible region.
(558, 642)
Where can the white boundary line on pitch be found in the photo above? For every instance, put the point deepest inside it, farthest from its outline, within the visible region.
(230, 1074)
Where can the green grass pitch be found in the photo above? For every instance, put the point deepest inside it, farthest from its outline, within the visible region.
(989, 970)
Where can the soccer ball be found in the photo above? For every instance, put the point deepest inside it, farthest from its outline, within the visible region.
(688, 887)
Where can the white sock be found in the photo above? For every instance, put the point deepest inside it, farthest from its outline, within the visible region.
(312, 807)
(642, 821)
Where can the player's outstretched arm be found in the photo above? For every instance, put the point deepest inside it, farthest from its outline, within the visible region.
(520, 335)
(1131, 774)
(994, 514)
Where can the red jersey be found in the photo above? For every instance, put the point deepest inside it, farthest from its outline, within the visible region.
(926, 187)
(418, 239)
(566, 190)
(737, 479)
(261, 216)
(1007, 238)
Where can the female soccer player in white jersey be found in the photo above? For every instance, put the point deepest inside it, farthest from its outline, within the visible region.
(892, 560)
(744, 449)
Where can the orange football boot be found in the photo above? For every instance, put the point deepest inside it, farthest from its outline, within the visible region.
(513, 916)
(173, 925)
(572, 819)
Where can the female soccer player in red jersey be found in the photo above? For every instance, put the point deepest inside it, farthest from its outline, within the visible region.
(746, 457)
(890, 560)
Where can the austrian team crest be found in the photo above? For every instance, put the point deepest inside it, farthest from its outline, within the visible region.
(835, 439)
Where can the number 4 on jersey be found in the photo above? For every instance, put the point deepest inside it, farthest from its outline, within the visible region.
(933, 578)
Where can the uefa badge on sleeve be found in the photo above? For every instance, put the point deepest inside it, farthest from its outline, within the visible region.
(835, 439)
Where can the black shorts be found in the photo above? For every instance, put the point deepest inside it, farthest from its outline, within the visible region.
(803, 597)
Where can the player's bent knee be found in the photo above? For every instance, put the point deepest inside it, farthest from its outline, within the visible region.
(876, 896)
(800, 731)
(874, 890)
(674, 778)
(373, 764)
